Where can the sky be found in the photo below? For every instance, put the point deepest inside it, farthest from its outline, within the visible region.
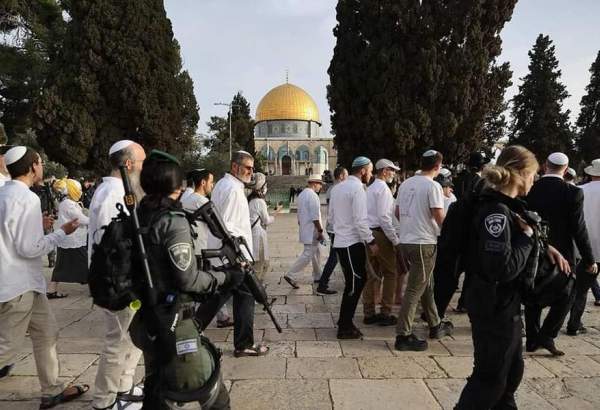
(247, 45)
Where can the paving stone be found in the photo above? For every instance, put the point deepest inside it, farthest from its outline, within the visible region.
(322, 308)
(309, 320)
(217, 335)
(266, 367)
(258, 335)
(365, 348)
(378, 332)
(399, 368)
(287, 290)
(326, 334)
(381, 394)
(318, 349)
(305, 299)
(263, 321)
(271, 335)
(35, 405)
(23, 388)
(570, 366)
(322, 368)
(282, 349)
(287, 308)
(461, 347)
(65, 317)
(70, 365)
(280, 394)
(462, 367)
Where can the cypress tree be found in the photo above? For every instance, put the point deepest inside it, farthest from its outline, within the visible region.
(539, 121)
(588, 123)
(118, 75)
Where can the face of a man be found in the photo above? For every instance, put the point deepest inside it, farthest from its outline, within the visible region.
(38, 171)
(244, 170)
(344, 176)
(209, 183)
(366, 174)
(388, 175)
(3, 165)
(138, 157)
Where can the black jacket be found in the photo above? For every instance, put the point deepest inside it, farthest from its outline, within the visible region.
(467, 182)
(500, 253)
(560, 204)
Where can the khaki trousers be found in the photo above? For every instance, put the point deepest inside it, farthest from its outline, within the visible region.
(384, 264)
(419, 287)
(119, 358)
(31, 312)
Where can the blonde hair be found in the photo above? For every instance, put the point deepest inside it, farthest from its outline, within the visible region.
(514, 161)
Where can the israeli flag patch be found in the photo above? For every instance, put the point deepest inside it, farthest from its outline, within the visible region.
(186, 346)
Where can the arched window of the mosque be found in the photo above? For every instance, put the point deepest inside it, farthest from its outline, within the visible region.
(304, 153)
(270, 127)
(320, 155)
(295, 128)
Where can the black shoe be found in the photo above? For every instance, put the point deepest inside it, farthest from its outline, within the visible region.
(352, 333)
(5, 371)
(410, 343)
(372, 319)
(388, 320)
(531, 346)
(292, 282)
(325, 291)
(551, 347)
(460, 309)
(444, 328)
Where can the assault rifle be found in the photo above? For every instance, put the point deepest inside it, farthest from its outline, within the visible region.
(233, 254)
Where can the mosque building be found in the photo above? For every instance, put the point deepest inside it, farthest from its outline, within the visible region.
(287, 133)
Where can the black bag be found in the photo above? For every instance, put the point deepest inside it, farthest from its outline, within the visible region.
(115, 266)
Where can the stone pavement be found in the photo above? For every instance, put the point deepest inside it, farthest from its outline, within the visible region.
(309, 369)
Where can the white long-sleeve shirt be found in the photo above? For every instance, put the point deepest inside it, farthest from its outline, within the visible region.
(380, 209)
(3, 179)
(229, 199)
(193, 202)
(22, 241)
(103, 208)
(309, 210)
(348, 213)
(67, 211)
(591, 214)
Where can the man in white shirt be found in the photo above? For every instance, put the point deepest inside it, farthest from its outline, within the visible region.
(585, 277)
(4, 176)
(310, 232)
(348, 213)
(229, 199)
(380, 216)
(420, 212)
(23, 303)
(116, 367)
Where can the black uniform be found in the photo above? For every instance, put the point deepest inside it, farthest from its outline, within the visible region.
(49, 205)
(500, 254)
(175, 273)
(560, 204)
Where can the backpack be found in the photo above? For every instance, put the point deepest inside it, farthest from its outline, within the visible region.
(115, 268)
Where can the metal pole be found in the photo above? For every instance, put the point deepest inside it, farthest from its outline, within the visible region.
(230, 135)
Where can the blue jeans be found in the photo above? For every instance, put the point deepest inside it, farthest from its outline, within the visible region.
(332, 261)
(596, 290)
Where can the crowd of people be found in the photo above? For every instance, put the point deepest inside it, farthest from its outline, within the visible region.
(524, 242)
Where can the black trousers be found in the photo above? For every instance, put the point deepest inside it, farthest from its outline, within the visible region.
(445, 281)
(353, 261)
(243, 314)
(552, 322)
(332, 260)
(498, 365)
(583, 284)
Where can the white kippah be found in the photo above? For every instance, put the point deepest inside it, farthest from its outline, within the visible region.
(119, 145)
(558, 158)
(445, 172)
(14, 154)
(430, 153)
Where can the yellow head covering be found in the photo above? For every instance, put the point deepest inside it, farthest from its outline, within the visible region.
(60, 185)
(73, 189)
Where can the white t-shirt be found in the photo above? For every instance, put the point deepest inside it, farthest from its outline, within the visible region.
(591, 214)
(448, 201)
(193, 202)
(416, 196)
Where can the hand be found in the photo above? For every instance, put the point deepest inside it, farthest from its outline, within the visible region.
(320, 237)
(278, 208)
(70, 226)
(47, 221)
(524, 226)
(593, 269)
(374, 249)
(558, 259)
(233, 278)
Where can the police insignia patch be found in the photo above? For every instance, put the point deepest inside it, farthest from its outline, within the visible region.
(181, 255)
(495, 224)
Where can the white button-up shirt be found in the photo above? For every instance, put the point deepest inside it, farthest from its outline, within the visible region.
(309, 210)
(591, 214)
(103, 208)
(67, 211)
(22, 241)
(380, 209)
(229, 199)
(348, 213)
(193, 202)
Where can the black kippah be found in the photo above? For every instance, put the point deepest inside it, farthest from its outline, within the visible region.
(162, 156)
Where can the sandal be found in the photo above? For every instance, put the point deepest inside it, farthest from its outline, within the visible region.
(49, 402)
(224, 323)
(56, 295)
(292, 282)
(254, 351)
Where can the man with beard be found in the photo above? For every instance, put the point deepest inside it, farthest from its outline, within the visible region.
(229, 199)
(348, 213)
(119, 358)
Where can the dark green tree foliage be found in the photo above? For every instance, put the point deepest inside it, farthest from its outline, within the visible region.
(242, 128)
(33, 32)
(539, 121)
(588, 123)
(495, 123)
(407, 76)
(118, 75)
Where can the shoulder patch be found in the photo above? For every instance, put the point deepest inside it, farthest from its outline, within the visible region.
(181, 255)
(495, 224)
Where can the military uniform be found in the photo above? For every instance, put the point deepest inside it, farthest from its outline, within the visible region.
(179, 284)
(501, 253)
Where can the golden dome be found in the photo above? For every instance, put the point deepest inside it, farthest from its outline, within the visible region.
(287, 102)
